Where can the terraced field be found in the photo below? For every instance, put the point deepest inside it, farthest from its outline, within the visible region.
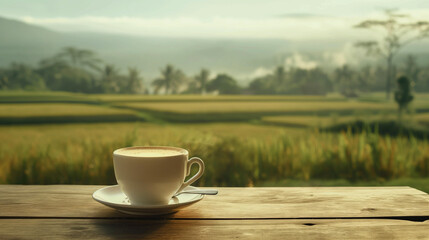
(308, 121)
(42, 97)
(246, 140)
(258, 107)
(57, 109)
(210, 98)
(326, 121)
(62, 112)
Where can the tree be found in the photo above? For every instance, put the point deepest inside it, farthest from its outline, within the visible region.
(79, 58)
(53, 73)
(279, 75)
(76, 80)
(379, 79)
(274, 83)
(346, 81)
(403, 95)
(225, 84)
(4, 81)
(134, 83)
(192, 88)
(111, 81)
(279, 78)
(317, 82)
(170, 80)
(262, 85)
(422, 85)
(21, 76)
(411, 68)
(365, 77)
(309, 81)
(202, 79)
(71, 70)
(294, 81)
(398, 33)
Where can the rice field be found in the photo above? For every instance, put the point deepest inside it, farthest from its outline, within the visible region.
(245, 140)
(39, 97)
(211, 98)
(308, 121)
(57, 109)
(50, 134)
(334, 119)
(84, 157)
(43, 113)
(257, 107)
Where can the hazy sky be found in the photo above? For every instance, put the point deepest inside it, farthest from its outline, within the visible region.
(208, 18)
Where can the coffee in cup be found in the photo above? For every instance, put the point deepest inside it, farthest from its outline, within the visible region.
(152, 175)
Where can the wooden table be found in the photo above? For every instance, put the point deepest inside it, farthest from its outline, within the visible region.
(69, 212)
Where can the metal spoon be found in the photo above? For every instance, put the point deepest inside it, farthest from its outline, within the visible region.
(199, 191)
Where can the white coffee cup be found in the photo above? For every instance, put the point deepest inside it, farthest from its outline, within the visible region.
(152, 175)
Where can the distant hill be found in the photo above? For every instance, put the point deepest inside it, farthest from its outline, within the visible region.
(27, 43)
(15, 33)
(151, 53)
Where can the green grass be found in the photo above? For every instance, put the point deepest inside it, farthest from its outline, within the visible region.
(56, 109)
(246, 107)
(334, 119)
(83, 142)
(75, 133)
(230, 111)
(252, 152)
(85, 156)
(71, 147)
(196, 108)
(308, 121)
(381, 96)
(43, 97)
(62, 112)
(211, 98)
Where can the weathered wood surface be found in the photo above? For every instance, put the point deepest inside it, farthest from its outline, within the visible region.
(67, 201)
(69, 212)
(212, 229)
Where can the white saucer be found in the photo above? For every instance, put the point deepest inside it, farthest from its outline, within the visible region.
(113, 197)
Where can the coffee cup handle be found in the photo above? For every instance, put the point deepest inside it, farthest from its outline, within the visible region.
(188, 171)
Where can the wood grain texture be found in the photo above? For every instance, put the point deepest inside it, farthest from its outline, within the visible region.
(76, 201)
(211, 229)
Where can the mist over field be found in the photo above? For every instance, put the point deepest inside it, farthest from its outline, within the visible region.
(28, 40)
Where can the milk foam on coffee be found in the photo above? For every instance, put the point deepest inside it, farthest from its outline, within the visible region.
(148, 152)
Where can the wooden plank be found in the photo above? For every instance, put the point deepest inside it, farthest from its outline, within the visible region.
(211, 229)
(242, 203)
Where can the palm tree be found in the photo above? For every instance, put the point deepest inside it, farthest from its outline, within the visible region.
(202, 79)
(170, 80)
(134, 81)
(79, 58)
(110, 79)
